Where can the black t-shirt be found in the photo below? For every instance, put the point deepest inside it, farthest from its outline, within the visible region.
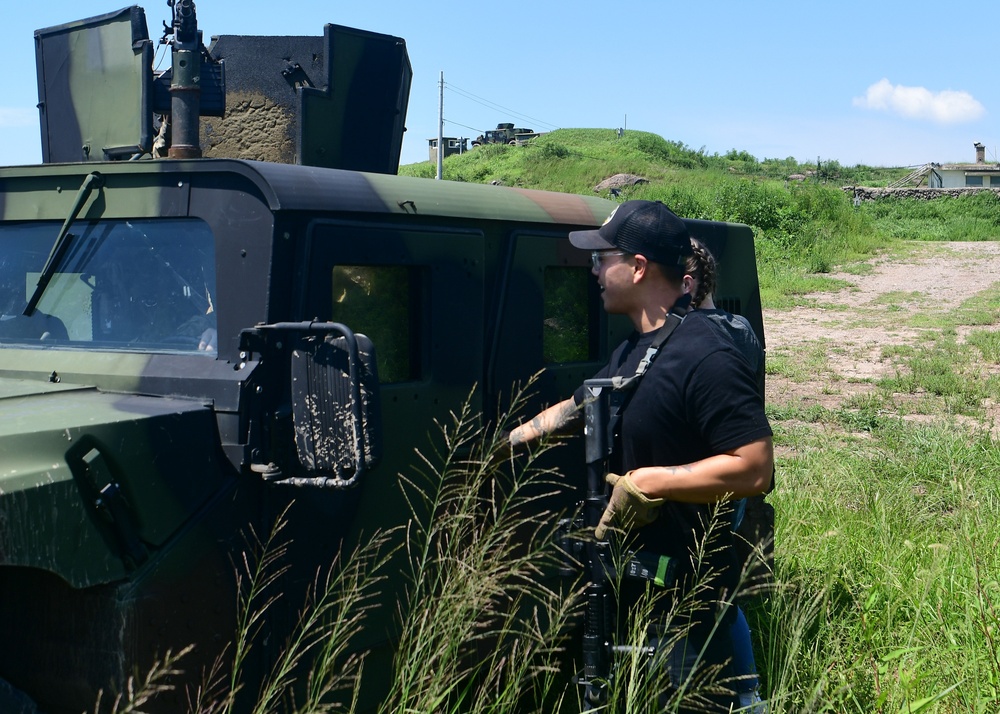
(698, 398)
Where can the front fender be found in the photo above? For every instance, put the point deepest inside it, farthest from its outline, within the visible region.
(92, 484)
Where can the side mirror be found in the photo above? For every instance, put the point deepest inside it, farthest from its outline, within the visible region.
(335, 408)
(324, 389)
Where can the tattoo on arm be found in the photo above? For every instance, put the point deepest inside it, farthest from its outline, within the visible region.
(567, 416)
(555, 419)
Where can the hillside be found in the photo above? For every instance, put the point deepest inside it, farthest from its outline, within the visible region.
(804, 228)
(576, 160)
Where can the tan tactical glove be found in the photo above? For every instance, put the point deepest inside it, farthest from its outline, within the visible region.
(628, 507)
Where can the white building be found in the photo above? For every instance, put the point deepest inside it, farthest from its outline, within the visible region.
(452, 145)
(977, 175)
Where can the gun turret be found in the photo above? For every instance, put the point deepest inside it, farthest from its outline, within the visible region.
(185, 83)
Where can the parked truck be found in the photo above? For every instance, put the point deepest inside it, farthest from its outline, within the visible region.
(505, 134)
(192, 349)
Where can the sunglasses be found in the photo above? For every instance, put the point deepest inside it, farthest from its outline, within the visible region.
(597, 256)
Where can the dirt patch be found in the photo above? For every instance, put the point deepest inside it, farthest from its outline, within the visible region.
(854, 326)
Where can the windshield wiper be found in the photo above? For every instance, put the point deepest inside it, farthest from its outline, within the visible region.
(63, 239)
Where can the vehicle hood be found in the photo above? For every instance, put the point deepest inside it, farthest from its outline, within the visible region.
(92, 484)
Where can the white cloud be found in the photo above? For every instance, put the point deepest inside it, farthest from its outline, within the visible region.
(946, 107)
(17, 117)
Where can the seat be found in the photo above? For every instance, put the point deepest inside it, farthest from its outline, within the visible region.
(40, 326)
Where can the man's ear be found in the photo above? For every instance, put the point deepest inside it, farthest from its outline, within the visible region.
(641, 267)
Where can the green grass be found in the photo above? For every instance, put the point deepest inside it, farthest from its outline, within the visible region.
(885, 595)
(886, 526)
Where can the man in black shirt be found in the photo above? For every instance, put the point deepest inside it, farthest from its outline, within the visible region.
(693, 432)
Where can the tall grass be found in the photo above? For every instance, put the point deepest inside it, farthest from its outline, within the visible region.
(482, 618)
(485, 622)
(886, 529)
(885, 598)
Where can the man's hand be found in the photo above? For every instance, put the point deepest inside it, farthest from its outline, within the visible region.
(628, 507)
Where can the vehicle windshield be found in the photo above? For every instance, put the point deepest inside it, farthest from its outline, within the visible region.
(144, 285)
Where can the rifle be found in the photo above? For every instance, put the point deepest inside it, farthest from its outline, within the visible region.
(598, 625)
(600, 421)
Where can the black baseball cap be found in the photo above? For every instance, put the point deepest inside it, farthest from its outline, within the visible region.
(645, 227)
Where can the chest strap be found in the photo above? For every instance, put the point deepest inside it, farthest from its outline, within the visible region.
(674, 318)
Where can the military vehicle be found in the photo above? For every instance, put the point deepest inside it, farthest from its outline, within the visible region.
(191, 348)
(505, 133)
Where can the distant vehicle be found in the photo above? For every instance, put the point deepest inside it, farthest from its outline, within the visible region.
(505, 134)
(183, 350)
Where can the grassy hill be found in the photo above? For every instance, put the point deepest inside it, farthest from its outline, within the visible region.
(575, 160)
(804, 228)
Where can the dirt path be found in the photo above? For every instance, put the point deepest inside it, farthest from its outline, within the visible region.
(854, 326)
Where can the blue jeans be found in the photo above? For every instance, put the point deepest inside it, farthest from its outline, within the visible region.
(687, 657)
(743, 661)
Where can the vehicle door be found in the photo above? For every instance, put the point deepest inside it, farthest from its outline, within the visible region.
(550, 318)
(417, 293)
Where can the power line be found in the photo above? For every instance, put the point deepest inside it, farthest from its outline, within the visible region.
(505, 110)
(497, 107)
(464, 126)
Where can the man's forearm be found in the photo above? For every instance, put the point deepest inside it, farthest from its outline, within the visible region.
(560, 418)
(744, 471)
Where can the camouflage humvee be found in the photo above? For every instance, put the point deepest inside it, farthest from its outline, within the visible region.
(189, 347)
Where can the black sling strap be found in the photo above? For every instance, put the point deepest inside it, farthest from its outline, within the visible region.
(627, 385)
(656, 568)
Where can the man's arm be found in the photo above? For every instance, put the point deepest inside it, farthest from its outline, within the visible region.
(744, 471)
(560, 418)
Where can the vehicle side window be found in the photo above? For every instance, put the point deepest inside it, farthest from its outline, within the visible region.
(567, 315)
(143, 285)
(382, 302)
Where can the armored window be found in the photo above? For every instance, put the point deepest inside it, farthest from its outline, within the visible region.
(143, 285)
(569, 311)
(382, 302)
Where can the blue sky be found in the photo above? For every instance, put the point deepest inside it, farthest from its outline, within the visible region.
(884, 83)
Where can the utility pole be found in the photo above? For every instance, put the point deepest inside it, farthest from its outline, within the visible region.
(440, 151)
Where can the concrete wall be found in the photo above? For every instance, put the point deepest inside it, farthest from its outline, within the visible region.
(869, 193)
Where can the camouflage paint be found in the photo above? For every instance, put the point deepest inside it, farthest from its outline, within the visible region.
(64, 445)
(178, 434)
(94, 85)
(170, 431)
